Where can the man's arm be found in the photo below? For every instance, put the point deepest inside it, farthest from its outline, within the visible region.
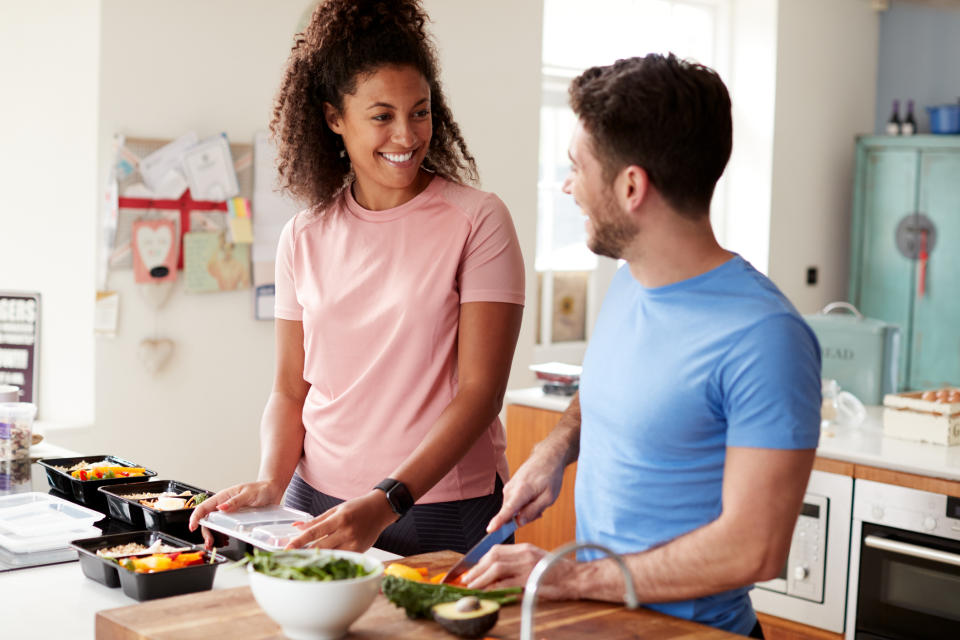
(748, 542)
(536, 484)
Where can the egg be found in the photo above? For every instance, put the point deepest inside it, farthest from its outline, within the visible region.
(170, 504)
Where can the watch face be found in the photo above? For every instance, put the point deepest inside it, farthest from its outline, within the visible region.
(399, 497)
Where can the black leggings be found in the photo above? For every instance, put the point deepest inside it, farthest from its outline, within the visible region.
(455, 525)
(757, 631)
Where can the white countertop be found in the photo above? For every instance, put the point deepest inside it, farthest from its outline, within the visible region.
(535, 397)
(58, 601)
(865, 444)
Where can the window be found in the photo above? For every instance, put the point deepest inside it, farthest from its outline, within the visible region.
(577, 35)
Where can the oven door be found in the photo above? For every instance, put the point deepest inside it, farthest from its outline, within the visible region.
(909, 586)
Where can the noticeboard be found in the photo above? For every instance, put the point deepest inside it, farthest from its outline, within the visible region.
(20, 341)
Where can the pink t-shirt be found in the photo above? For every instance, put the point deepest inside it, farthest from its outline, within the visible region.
(379, 295)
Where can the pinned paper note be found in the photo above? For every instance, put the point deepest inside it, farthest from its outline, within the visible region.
(161, 170)
(210, 263)
(241, 224)
(106, 312)
(155, 245)
(208, 166)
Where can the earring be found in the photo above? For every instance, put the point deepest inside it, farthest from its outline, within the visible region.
(343, 153)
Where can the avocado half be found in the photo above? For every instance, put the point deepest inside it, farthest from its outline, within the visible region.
(468, 617)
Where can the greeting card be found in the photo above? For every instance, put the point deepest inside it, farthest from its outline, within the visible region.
(155, 250)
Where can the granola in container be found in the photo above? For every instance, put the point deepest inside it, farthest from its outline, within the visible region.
(16, 429)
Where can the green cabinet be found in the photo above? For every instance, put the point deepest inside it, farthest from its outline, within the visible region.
(906, 196)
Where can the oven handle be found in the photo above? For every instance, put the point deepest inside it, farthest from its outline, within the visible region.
(912, 550)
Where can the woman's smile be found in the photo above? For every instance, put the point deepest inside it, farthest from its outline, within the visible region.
(386, 126)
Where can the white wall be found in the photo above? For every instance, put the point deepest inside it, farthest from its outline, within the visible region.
(826, 87)
(167, 68)
(48, 185)
(751, 80)
(490, 53)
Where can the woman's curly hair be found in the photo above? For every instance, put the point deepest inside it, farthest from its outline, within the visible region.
(345, 40)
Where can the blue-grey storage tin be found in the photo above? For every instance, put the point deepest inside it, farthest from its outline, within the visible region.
(860, 353)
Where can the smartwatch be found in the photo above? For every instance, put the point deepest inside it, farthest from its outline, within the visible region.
(397, 495)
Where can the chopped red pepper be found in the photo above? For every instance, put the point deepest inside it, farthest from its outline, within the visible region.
(83, 474)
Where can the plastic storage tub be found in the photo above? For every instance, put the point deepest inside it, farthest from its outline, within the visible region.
(130, 510)
(146, 586)
(16, 430)
(104, 570)
(268, 528)
(85, 491)
(944, 118)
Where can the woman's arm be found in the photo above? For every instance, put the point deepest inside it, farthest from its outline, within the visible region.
(281, 428)
(487, 337)
(281, 431)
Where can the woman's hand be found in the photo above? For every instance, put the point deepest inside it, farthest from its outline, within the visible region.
(248, 494)
(353, 525)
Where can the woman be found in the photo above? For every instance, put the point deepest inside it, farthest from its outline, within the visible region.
(399, 298)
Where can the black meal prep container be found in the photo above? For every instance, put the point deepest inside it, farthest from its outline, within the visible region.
(145, 586)
(131, 511)
(85, 491)
(105, 571)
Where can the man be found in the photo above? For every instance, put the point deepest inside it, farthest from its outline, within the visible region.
(698, 415)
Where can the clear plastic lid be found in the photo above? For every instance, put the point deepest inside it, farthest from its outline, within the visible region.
(248, 519)
(274, 536)
(31, 522)
(264, 527)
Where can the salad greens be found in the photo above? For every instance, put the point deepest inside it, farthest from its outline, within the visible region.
(417, 598)
(303, 564)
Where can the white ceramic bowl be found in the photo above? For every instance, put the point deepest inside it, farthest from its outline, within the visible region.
(318, 610)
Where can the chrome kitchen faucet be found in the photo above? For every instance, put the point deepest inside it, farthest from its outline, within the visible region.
(533, 582)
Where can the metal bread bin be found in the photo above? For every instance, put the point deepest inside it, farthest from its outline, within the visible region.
(862, 354)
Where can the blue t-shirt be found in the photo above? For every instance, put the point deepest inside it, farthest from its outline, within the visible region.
(672, 377)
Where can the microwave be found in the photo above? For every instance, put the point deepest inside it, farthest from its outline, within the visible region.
(812, 586)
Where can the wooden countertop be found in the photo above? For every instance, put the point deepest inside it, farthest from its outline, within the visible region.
(233, 613)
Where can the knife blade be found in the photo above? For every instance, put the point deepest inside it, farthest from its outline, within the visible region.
(467, 562)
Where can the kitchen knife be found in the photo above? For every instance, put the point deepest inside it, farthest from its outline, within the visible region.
(473, 556)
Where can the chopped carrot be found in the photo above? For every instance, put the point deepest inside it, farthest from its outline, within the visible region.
(437, 579)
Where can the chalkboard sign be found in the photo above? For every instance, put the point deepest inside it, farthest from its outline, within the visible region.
(20, 341)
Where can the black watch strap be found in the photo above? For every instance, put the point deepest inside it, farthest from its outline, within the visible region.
(397, 495)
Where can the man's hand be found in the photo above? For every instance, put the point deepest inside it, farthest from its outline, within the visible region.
(509, 565)
(353, 525)
(534, 487)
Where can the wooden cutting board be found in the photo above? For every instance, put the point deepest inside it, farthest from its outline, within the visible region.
(233, 613)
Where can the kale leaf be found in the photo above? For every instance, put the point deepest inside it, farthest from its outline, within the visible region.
(417, 598)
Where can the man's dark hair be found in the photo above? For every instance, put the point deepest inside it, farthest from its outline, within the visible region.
(669, 116)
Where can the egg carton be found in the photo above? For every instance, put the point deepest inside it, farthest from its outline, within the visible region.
(909, 417)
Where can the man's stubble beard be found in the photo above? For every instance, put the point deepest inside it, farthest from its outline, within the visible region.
(612, 229)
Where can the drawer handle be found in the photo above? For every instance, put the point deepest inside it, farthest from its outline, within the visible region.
(912, 550)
